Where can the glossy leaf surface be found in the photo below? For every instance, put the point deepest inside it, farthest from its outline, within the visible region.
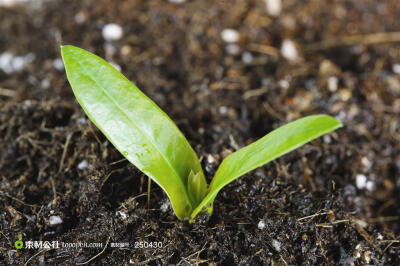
(134, 124)
(275, 144)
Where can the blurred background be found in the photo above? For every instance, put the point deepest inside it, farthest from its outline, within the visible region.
(227, 72)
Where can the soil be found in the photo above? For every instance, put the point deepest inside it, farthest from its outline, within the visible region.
(333, 201)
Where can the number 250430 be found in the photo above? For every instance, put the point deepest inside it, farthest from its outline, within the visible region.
(145, 244)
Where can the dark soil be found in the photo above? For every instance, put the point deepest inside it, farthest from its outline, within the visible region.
(54, 162)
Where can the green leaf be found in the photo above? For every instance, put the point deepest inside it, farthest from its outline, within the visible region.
(134, 124)
(266, 149)
(197, 187)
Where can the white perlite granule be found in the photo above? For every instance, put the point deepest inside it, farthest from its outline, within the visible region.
(361, 181)
(54, 220)
(276, 244)
(112, 32)
(261, 225)
(273, 7)
(230, 35)
(289, 50)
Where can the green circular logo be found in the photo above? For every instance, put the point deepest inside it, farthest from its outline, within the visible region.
(19, 243)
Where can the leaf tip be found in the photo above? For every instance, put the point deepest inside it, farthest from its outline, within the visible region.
(337, 123)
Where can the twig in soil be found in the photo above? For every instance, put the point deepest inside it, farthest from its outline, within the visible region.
(131, 199)
(20, 201)
(284, 261)
(197, 260)
(365, 39)
(94, 133)
(67, 141)
(255, 93)
(108, 176)
(40, 252)
(101, 252)
(330, 225)
(53, 187)
(325, 225)
(151, 259)
(7, 92)
(366, 236)
(393, 126)
(391, 242)
(383, 219)
(314, 215)
(9, 241)
(148, 192)
(233, 143)
(264, 49)
(272, 111)
(117, 162)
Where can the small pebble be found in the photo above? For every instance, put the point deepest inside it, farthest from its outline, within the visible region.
(177, 1)
(211, 159)
(266, 82)
(345, 94)
(366, 162)
(45, 83)
(122, 214)
(333, 83)
(58, 64)
(261, 225)
(232, 49)
(81, 17)
(361, 181)
(5, 62)
(9, 3)
(223, 110)
(247, 58)
(225, 153)
(54, 220)
(83, 165)
(276, 244)
(112, 32)
(126, 50)
(370, 185)
(164, 207)
(230, 35)
(356, 254)
(367, 256)
(10, 63)
(27, 104)
(362, 223)
(81, 120)
(327, 139)
(284, 84)
(273, 7)
(341, 116)
(396, 68)
(289, 50)
(328, 68)
(18, 63)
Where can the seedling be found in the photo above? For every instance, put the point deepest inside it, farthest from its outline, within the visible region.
(149, 139)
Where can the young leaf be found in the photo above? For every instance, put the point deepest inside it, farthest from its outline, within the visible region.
(134, 124)
(273, 145)
(197, 187)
